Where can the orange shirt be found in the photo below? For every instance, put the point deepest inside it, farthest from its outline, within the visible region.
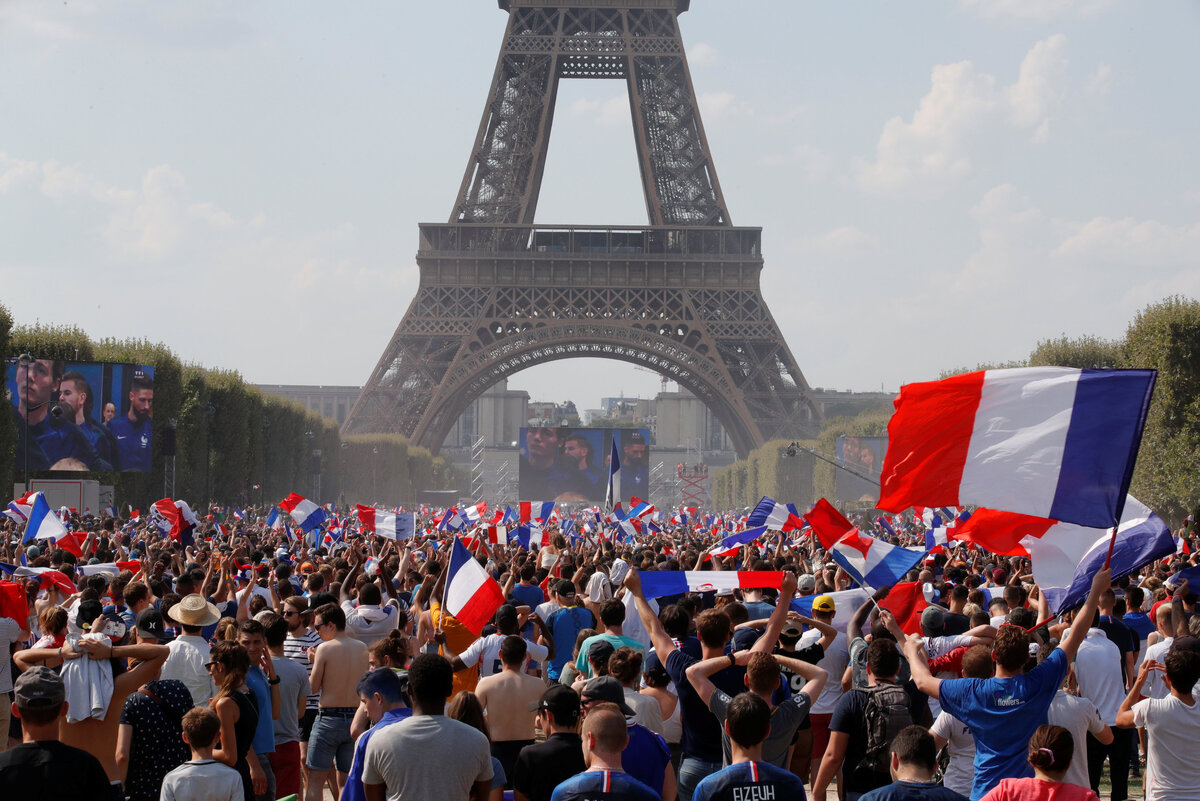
(458, 638)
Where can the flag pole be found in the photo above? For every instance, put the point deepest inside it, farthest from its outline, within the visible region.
(1111, 544)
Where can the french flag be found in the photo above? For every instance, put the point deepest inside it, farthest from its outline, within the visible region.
(474, 514)
(1066, 556)
(19, 509)
(165, 516)
(472, 596)
(883, 523)
(829, 524)
(639, 508)
(392, 525)
(629, 528)
(1052, 442)
(535, 511)
(110, 568)
(371, 566)
(532, 536)
(731, 544)
(274, 521)
(657, 583)
(510, 517)
(304, 512)
(774, 515)
(872, 562)
(43, 524)
(47, 577)
(497, 535)
(612, 496)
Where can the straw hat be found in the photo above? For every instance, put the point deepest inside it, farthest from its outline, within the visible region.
(193, 610)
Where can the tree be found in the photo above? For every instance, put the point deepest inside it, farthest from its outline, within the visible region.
(1166, 336)
(1082, 352)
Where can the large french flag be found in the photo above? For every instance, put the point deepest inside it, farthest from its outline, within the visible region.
(1052, 442)
(774, 515)
(43, 524)
(392, 525)
(474, 514)
(872, 562)
(535, 511)
(733, 543)
(639, 508)
(472, 596)
(657, 583)
(1066, 556)
(306, 513)
(612, 496)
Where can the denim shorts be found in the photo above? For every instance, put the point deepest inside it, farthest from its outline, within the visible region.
(331, 742)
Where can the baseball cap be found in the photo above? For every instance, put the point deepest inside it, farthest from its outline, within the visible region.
(606, 688)
(933, 620)
(560, 700)
(150, 623)
(564, 587)
(506, 612)
(600, 651)
(791, 631)
(806, 583)
(87, 612)
(824, 603)
(39, 688)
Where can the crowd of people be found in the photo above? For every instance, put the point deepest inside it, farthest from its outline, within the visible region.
(253, 665)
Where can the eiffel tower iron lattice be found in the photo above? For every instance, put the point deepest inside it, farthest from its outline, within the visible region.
(499, 294)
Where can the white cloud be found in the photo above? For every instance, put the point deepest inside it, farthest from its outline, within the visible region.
(702, 53)
(608, 111)
(815, 163)
(1099, 83)
(719, 105)
(1035, 10)
(843, 243)
(966, 112)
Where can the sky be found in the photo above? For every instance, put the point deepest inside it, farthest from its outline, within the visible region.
(939, 183)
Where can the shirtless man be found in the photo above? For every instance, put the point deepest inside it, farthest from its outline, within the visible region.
(507, 697)
(339, 664)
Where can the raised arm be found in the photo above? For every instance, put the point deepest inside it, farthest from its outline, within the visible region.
(859, 618)
(814, 677)
(698, 674)
(662, 642)
(1070, 643)
(926, 682)
(787, 590)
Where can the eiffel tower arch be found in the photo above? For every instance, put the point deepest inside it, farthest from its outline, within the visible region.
(499, 294)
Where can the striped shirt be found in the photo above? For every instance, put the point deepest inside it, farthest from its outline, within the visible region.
(296, 649)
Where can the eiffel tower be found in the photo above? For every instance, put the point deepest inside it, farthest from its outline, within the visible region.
(499, 294)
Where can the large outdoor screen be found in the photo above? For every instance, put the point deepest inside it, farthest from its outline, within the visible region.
(76, 416)
(863, 455)
(571, 464)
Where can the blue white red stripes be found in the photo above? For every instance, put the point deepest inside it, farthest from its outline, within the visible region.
(872, 562)
(382, 523)
(472, 596)
(656, 583)
(731, 544)
(1051, 442)
(535, 511)
(304, 512)
(774, 515)
(43, 524)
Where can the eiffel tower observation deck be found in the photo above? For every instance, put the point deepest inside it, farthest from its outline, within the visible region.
(499, 294)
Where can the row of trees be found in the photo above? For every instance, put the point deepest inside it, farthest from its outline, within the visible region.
(234, 444)
(1164, 336)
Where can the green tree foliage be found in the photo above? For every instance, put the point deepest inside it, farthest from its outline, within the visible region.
(774, 470)
(1166, 336)
(982, 366)
(1081, 352)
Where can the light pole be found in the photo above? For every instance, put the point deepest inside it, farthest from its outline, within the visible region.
(374, 474)
(26, 359)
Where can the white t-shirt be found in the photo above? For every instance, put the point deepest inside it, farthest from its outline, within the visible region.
(10, 632)
(960, 773)
(1155, 687)
(1078, 716)
(837, 656)
(486, 651)
(1172, 770)
(1098, 671)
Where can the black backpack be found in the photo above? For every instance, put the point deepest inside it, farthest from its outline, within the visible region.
(886, 713)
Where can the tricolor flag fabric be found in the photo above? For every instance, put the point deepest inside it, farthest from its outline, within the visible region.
(1066, 556)
(629, 528)
(733, 543)
(274, 521)
(906, 602)
(828, 523)
(392, 525)
(14, 602)
(872, 562)
(19, 508)
(639, 508)
(110, 568)
(657, 583)
(883, 523)
(43, 524)
(497, 535)
(845, 604)
(1051, 442)
(534, 511)
(452, 521)
(774, 515)
(474, 514)
(472, 596)
(510, 518)
(165, 516)
(304, 512)
(612, 496)
(47, 577)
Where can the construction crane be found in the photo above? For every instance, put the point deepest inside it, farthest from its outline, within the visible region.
(662, 378)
